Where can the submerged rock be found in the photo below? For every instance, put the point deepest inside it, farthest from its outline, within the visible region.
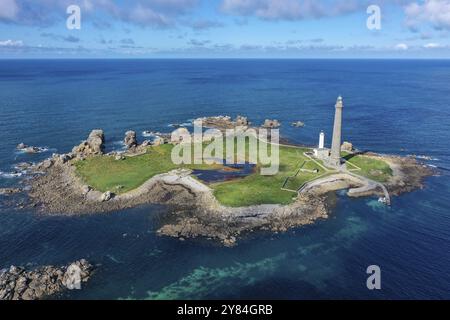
(6, 191)
(29, 149)
(21, 146)
(298, 124)
(17, 283)
(24, 166)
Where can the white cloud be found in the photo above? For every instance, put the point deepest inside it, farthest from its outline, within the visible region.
(11, 43)
(8, 9)
(290, 9)
(434, 12)
(401, 47)
(142, 12)
(433, 46)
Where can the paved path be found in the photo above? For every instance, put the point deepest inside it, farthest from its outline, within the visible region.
(371, 184)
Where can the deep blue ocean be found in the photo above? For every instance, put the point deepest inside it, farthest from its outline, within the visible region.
(391, 106)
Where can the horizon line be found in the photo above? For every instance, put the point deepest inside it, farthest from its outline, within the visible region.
(218, 58)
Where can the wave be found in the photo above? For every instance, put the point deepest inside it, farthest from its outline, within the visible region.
(149, 134)
(179, 125)
(35, 150)
(11, 175)
(423, 157)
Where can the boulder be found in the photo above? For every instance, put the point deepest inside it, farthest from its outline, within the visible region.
(92, 146)
(85, 189)
(75, 274)
(158, 141)
(108, 195)
(96, 140)
(44, 165)
(145, 143)
(180, 135)
(21, 146)
(64, 158)
(347, 146)
(17, 283)
(130, 139)
(242, 121)
(119, 157)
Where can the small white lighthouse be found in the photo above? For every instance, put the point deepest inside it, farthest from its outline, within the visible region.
(322, 140)
(321, 152)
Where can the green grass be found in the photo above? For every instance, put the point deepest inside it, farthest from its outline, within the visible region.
(105, 173)
(374, 169)
(257, 189)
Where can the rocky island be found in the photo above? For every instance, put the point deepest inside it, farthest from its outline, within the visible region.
(18, 283)
(87, 180)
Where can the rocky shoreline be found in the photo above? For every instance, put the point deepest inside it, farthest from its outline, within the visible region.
(58, 190)
(18, 283)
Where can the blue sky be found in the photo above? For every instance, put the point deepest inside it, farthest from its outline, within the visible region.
(225, 29)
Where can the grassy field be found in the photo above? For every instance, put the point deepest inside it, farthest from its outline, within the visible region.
(105, 173)
(372, 168)
(257, 189)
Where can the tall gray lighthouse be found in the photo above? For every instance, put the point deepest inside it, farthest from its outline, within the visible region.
(335, 157)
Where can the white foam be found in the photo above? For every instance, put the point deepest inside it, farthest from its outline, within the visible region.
(148, 134)
(423, 157)
(184, 124)
(36, 150)
(10, 175)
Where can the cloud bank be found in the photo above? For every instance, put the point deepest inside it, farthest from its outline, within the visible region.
(160, 13)
(433, 12)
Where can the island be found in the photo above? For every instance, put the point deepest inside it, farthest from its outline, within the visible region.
(218, 201)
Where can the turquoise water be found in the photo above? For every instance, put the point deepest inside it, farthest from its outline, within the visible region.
(399, 107)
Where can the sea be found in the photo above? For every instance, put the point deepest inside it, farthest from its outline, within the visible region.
(399, 107)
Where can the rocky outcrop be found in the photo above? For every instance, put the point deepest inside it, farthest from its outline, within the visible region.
(180, 135)
(226, 224)
(298, 124)
(157, 141)
(130, 139)
(29, 149)
(217, 122)
(92, 146)
(108, 195)
(222, 122)
(17, 283)
(242, 121)
(271, 124)
(347, 146)
(6, 191)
